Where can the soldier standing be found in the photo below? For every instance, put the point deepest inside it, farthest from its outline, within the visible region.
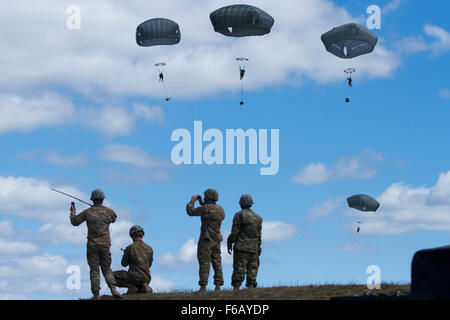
(246, 237)
(97, 219)
(208, 248)
(139, 257)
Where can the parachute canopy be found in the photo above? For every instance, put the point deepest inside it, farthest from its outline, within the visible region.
(349, 41)
(363, 202)
(349, 70)
(241, 20)
(158, 31)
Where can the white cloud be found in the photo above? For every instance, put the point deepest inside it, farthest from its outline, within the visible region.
(17, 247)
(444, 93)
(275, 231)
(314, 173)
(26, 114)
(6, 229)
(91, 62)
(131, 155)
(159, 284)
(325, 208)
(9, 296)
(355, 247)
(187, 255)
(65, 161)
(41, 274)
(272, 231)
(346, 168)
(407, 209)
(37, 200)
(415, 44)
(442, 37)
(392, 6)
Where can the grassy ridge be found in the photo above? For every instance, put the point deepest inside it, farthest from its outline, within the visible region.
(311, 292)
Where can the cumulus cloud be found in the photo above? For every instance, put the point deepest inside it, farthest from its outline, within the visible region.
(134, 156)
(392, 6)
(415, 44)
(407, 209)
(187, 255)
(65, 161)
(355, 247)
(326, 208)
(37, 200)
(272, 231)
(442, 36)
(26, 114)
(360, 167)
(6, 229)
(91, 62)
(444, 93)
(17, 247)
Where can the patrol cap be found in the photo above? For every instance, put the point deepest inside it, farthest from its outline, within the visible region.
(246, 201)
(97, 194)
(212, 194)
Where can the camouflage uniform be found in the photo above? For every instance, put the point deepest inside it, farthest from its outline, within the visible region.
(208, 248)
(97, 219)
(139, 257)
(246, 237)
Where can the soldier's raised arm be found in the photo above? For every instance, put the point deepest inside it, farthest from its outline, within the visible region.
(75, 219)
(190, 207)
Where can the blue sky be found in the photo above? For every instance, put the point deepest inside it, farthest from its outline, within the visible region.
(82, 109)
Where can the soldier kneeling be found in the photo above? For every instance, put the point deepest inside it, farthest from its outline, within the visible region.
(139, 257)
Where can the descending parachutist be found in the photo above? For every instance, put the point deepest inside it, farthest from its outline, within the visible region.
(242, 73)
(161, 76)
(350, 81)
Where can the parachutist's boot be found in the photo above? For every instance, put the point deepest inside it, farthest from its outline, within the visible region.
(132, 289)
(115, 293)
(96, 295)
(202, 289)
(251, 286)
(217, 287)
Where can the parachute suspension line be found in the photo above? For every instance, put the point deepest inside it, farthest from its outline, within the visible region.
(160, 67)
(242, 93)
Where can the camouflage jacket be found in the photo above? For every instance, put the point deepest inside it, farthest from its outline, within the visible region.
(212, 216)
(97, 219)
(139, 257)
(246, 231)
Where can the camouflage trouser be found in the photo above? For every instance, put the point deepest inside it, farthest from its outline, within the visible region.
(245, 262)
(99, 257)
(209, 253)
(124, 279)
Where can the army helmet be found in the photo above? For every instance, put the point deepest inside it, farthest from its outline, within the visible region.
(97, 195)
(212, 194)
(135, 230)
(246, 201)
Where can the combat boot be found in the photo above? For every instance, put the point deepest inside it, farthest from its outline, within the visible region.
(217, 287)
(145, 288)
(132, 289)
(96, 296)
(202, 289)
(115, 293)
